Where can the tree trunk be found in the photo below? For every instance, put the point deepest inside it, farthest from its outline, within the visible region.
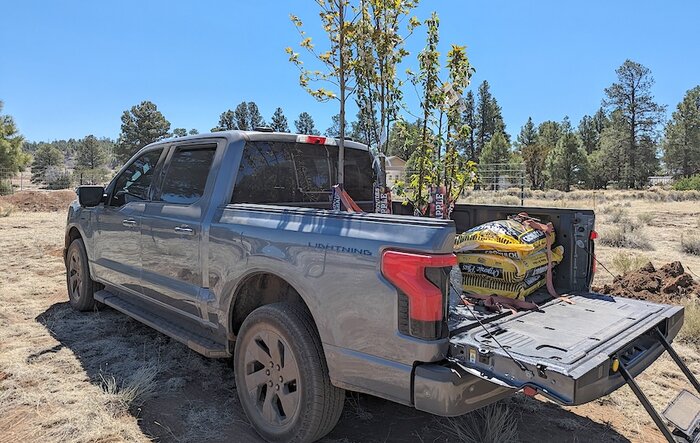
(341, 58)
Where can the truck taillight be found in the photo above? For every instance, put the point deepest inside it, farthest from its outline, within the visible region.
(422, 283)
(594, 266)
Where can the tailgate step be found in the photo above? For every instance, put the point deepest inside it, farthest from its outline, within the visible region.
(684, 413)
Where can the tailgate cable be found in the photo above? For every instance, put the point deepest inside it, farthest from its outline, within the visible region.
(582, 246)
(491, 336)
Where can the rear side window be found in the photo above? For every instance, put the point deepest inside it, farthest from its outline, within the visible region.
(186, 174)
(283, 172)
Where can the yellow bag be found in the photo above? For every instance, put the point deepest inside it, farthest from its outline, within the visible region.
(488, 286)
(505, 236)
(507, 269)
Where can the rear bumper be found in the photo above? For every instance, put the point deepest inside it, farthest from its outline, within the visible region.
(448, 390)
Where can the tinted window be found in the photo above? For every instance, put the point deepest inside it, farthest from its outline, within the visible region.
(266, 174)
(281, 172)
(136, 179)
(187, 174)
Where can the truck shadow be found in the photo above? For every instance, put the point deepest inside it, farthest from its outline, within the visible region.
(184, 397)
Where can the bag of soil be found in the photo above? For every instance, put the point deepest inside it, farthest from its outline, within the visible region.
(510, 238)
(476, 284)
(505, 268)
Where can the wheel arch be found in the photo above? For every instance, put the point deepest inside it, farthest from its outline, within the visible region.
(259, 288)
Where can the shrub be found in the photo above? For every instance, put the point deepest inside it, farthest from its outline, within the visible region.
(55, 178)
(690, 244)
(645, 218)
(626, 235)
(691, 183)
(690, 333)
(494, 423)
(5, 187)
(6, 210)
(624, 262)
(616, 215)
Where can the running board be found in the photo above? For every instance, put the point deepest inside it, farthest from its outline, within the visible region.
(197, 343)
(683, 413)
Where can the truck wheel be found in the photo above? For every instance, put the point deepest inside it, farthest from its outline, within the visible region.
(81, 287)
(282, 377)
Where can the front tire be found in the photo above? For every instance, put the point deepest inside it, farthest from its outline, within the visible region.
(81, 287)
(282, 377)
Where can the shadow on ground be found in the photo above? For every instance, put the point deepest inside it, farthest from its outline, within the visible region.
(184, 397)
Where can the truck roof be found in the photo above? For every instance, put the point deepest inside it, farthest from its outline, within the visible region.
(235, 135)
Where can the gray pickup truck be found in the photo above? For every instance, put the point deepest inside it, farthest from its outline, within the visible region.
(227, 243)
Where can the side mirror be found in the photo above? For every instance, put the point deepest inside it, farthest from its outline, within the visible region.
(89, 196)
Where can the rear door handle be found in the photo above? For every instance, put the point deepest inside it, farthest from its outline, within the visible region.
(129, 222)
(184, 230)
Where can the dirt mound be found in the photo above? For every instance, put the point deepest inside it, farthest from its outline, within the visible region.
(40, 201)
(668, 283)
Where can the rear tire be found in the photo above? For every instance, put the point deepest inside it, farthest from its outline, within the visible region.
(282, 377)
(81, 287)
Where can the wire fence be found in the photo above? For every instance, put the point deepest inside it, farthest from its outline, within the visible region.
(490, 179)
(52, 177)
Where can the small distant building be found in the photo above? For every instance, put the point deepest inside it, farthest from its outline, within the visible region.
(658, 180)
(395, 170)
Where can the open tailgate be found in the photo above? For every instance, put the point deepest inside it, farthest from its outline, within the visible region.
(565, 351)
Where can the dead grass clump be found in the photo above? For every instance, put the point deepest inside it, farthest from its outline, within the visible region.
(134, 391)
(626, 235)
(624, 262)
(645, 218)
(6, 210)
(690, 244)
(690, 333)
(494, 423)
(616, 215)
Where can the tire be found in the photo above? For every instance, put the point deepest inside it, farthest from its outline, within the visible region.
(81, 287)
(288, 397)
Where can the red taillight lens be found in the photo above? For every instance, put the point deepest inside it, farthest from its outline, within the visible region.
(594, 266)
(593, 235)
(315, 140)
(426, 301)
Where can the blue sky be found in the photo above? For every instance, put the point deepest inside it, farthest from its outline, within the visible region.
(70, 68)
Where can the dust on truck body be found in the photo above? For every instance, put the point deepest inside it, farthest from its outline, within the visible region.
(227, 243)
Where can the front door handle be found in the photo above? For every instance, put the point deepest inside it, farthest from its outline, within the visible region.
(129, 222)
(184, 229)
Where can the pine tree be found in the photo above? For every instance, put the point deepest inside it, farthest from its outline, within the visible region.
(241, 118)
(682, 136)
(567, 163)
(12, 159)
(641, 115)
(590, 138)
(278, 123)
(496, 152)
(91, 154)
(179, 132)
(469, 118)
(334, 129)
(226, 122)
(489, 120)
(305, 124)
(255, 120)
(141, 125)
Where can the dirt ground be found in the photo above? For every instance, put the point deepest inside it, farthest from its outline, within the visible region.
(102, 377)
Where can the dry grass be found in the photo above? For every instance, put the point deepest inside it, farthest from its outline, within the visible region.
(624, 262)
(691, 326)
(6, 210)
(690, 244)
(98, 377)
(495, 423)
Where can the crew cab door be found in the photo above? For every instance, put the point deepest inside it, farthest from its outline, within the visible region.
(173, 230)
(117, 233)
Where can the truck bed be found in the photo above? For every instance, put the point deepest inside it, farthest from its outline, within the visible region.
(564, 350)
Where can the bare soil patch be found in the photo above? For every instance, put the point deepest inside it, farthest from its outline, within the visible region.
(40, 201)
(669, 284)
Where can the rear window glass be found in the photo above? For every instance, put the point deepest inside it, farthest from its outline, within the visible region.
(283, 172)
(186, 176)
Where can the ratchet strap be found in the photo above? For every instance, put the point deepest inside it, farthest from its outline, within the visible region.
(548, 229)
(340, 198)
